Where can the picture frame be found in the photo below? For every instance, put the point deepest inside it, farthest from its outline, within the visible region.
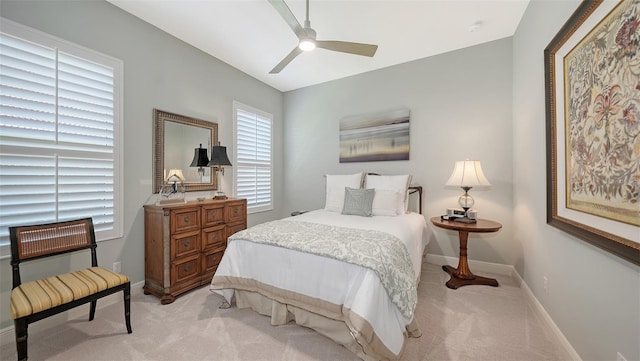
(375, 137)
(592, 182)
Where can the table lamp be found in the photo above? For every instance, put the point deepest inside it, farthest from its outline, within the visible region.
(219, 159)
(172, 190)
(200, 160)
(467, 174)
(176, 176)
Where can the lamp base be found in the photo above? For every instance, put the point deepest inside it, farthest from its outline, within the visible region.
(464, 220)
(220, 195)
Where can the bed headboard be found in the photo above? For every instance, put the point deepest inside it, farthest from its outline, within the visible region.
(418, 189)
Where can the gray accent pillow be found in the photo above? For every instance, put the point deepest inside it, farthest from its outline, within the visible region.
(358, 202)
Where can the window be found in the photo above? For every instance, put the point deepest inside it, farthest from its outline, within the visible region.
(59, 133)
(253, 157)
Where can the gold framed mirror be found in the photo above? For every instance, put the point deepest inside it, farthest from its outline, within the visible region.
(175, 137)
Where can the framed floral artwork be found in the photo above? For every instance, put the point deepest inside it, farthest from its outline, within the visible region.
(592, 81)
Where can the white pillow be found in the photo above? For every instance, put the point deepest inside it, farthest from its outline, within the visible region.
(396, 183)
(334, 201)
(387, 203)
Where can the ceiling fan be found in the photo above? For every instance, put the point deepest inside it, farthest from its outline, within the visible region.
(308, 40)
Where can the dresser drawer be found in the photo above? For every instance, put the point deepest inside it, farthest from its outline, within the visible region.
(210, 262)
(236, 227)
(214, 237)
(235, 211)
(212, 215)
(185, 244)
(185, 219)
(185, 270)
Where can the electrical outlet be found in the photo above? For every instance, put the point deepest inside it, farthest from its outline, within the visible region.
(117, 267)
(545, 284)
(619, 357)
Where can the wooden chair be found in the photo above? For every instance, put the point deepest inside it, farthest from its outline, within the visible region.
(35, 300)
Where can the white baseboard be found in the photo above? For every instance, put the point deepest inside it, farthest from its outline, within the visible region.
(501, 269)
(537, 306)
(7, 334)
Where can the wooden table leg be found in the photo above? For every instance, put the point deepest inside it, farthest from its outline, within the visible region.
(462, 276)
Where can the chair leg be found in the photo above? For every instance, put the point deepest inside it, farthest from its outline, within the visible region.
(127, 306)
(92, 310)
(21, 338)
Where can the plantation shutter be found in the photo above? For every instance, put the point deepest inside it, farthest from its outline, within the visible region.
(253, 161)
(58, 127)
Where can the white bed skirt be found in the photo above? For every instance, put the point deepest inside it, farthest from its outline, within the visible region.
(364, 345)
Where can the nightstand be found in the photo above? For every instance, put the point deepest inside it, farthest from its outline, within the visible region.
(462, 276)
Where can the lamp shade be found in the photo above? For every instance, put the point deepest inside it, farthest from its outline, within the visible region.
(218, 156)
(175, 172)
(467, 173)
(200, 158)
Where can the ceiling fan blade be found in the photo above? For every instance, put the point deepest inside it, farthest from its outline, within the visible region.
(287, 59)
(347, 47)
(284, 11)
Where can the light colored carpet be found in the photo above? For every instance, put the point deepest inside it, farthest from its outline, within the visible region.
(471, 323)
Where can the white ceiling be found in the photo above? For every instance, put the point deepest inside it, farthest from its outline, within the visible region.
(252, 37)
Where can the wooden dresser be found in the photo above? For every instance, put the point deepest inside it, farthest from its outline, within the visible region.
(184, 243)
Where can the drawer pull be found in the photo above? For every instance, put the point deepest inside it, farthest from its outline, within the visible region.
(235, 210)
(186, 268)
(215, 237)
(186, 219)
(186, 244)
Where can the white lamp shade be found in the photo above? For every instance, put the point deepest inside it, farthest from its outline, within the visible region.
(175, 172)
(467, 173)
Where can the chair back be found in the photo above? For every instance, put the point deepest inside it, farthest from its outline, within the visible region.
(36, 241)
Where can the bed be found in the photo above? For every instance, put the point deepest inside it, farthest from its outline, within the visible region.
(350, 276)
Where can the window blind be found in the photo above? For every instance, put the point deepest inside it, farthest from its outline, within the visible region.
(59, 121)
(253, 157)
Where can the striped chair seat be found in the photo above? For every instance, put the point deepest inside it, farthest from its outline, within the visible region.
(36, 296)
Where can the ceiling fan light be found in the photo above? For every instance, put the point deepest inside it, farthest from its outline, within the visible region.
(307, 44)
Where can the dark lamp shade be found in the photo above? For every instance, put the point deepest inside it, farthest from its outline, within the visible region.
(218, 156)
(200, 158)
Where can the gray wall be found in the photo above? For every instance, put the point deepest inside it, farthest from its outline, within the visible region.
(162, 72)
(594, 297)
(460, 106)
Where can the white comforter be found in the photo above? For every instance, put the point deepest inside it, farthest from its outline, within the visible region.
(327, 279)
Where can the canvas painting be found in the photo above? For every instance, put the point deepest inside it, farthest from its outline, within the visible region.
(382, 136)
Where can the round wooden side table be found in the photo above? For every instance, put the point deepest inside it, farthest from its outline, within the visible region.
(462, 276)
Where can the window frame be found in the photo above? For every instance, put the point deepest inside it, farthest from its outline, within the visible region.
(44, 39)
(249, 109)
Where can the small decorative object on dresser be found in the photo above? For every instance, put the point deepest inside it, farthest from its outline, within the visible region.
(183, 243)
